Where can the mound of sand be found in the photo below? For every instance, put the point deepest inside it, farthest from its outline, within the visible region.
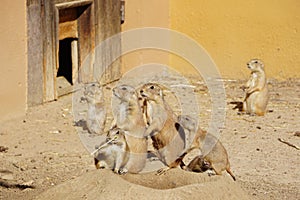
(175, 184)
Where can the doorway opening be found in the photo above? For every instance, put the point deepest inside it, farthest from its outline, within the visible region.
(70, 17)
(65, 59)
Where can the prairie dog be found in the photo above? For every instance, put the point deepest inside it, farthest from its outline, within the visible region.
(96, 114)
(113, 154)
(217, 157)
(257, 94)
(189, 125)
(129, 118)
(168, 139)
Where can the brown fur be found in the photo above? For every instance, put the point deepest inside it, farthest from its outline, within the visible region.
(129, 118)
(167, 140)
(217, 157)
(198, 164)
(257, 94)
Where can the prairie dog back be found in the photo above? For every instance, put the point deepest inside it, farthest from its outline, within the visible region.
(216, 158)
(189, 125)
(194, 135)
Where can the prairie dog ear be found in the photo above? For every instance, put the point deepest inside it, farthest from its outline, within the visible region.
(162, 88)
(262, 64)
(258, 61)
(161, 93)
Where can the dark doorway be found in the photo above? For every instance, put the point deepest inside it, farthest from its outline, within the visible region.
(65, 59)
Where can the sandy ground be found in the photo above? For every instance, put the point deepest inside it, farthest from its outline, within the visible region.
(42, 154)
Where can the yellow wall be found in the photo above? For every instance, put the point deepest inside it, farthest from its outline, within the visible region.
(234, 31)
(145, 13)
(13, 58)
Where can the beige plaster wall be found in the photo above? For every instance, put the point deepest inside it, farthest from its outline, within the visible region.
(13, 45)
(234, 31)
(145, 13)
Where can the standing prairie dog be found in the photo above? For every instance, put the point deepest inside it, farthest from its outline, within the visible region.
(96, 114)
(168, 140)
(113, 154)
(257, 94)
(217, 157)
(129, 118)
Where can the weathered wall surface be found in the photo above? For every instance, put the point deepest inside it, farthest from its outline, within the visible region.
(88, 23)
(235, 31)
(13, 58)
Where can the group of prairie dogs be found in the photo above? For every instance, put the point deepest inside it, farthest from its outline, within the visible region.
(143, 114)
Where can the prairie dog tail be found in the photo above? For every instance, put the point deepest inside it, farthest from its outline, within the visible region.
(230, 173)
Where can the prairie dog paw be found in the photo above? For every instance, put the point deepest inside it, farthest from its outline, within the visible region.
(123, 171)
(116, 171)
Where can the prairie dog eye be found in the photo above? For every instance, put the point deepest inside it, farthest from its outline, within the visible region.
(256, 62)
(124, 88)
(151, 87)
